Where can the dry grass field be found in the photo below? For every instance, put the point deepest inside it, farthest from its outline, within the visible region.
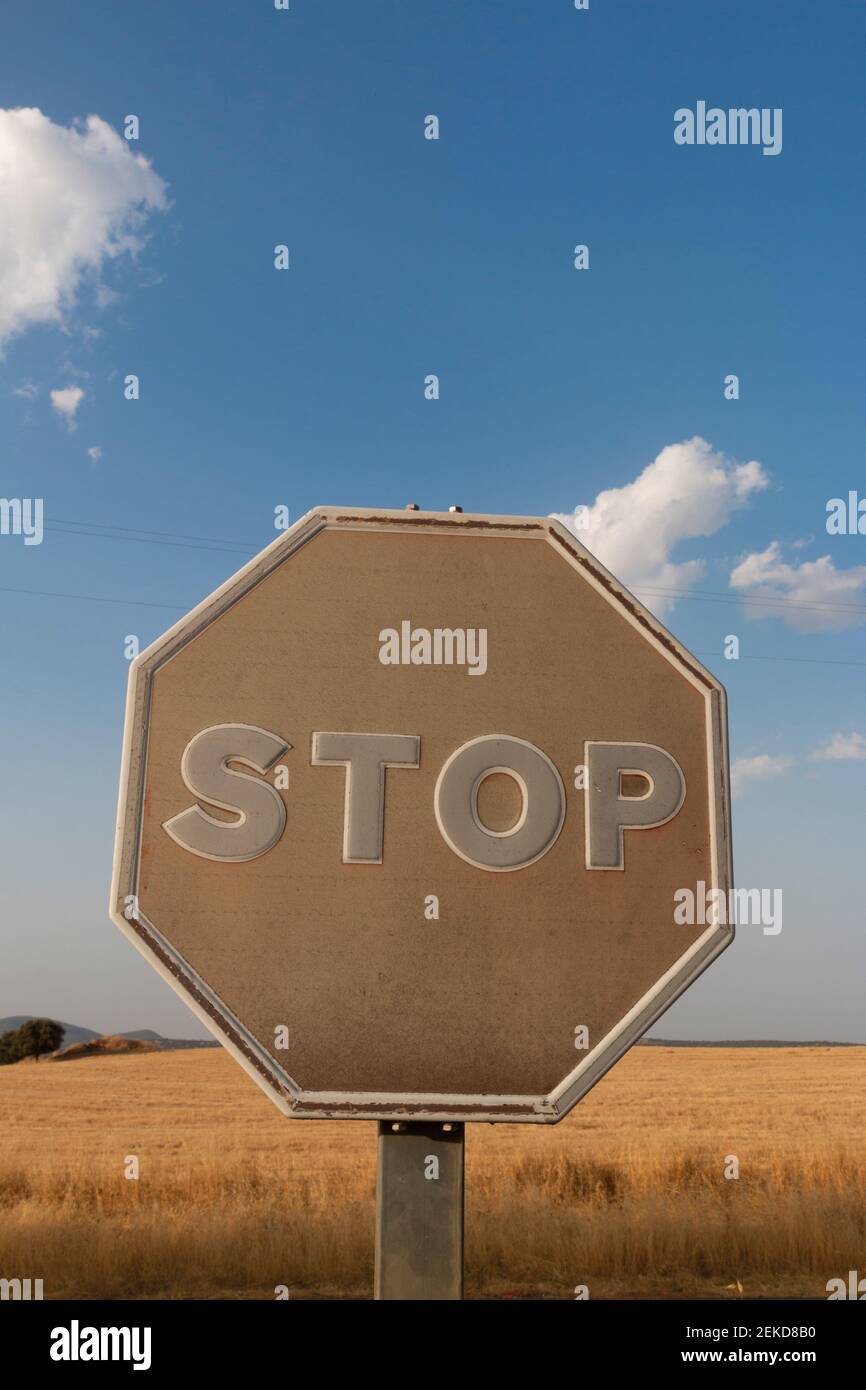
(627, 1195)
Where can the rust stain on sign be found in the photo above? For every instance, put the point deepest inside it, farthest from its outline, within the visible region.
(422, 519)
(623, 598)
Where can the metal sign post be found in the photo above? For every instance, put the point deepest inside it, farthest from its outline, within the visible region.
(419, 1211)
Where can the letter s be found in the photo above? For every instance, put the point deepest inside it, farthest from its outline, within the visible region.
(259, 808)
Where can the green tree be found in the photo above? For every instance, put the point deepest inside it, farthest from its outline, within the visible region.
(10, 1047)
(38, 1036)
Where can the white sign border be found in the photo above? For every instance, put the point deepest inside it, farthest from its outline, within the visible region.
(289, 1097)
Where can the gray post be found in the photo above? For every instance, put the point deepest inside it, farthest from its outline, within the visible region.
(419, 1211)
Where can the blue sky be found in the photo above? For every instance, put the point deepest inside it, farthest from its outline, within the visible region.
(453, 257)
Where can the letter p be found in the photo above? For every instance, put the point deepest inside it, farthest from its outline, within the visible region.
(609, 813)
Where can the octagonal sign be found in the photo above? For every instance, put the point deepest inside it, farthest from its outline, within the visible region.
(411, 813)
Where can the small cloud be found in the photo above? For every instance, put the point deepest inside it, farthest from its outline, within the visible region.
(95, 453)
(688, 491)
(810, 596)
(105, 297)
(29, 391)
(66, 401)
(745, 770)
(75, 198)
(841, 748)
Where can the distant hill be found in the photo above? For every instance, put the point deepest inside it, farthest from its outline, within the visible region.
(75, 1035)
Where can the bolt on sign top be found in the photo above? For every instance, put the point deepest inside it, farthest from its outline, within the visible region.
(404, 808)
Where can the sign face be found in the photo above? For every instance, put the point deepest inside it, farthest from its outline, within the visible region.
(409, 811)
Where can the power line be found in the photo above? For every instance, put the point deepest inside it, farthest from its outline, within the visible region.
(145, 540)
(184, 607)
(142, 531)
(99, 530)
(142, 536)
(809, 660)
(166, 538)
(94, 598)
(713, 596)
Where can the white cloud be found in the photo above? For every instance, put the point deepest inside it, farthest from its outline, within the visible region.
(794, 587)
(689, 490)
(745, 770)
(72, 198)
(29, 390)
(842, 747)
(66, 402)
(95, 453)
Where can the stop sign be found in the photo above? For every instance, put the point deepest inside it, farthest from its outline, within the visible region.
(406, 810)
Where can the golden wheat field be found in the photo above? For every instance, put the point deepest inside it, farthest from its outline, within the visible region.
(628, 1195)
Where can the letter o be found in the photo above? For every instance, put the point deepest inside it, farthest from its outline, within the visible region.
(455, 802)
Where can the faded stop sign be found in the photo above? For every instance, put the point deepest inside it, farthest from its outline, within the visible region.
(404, 809)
